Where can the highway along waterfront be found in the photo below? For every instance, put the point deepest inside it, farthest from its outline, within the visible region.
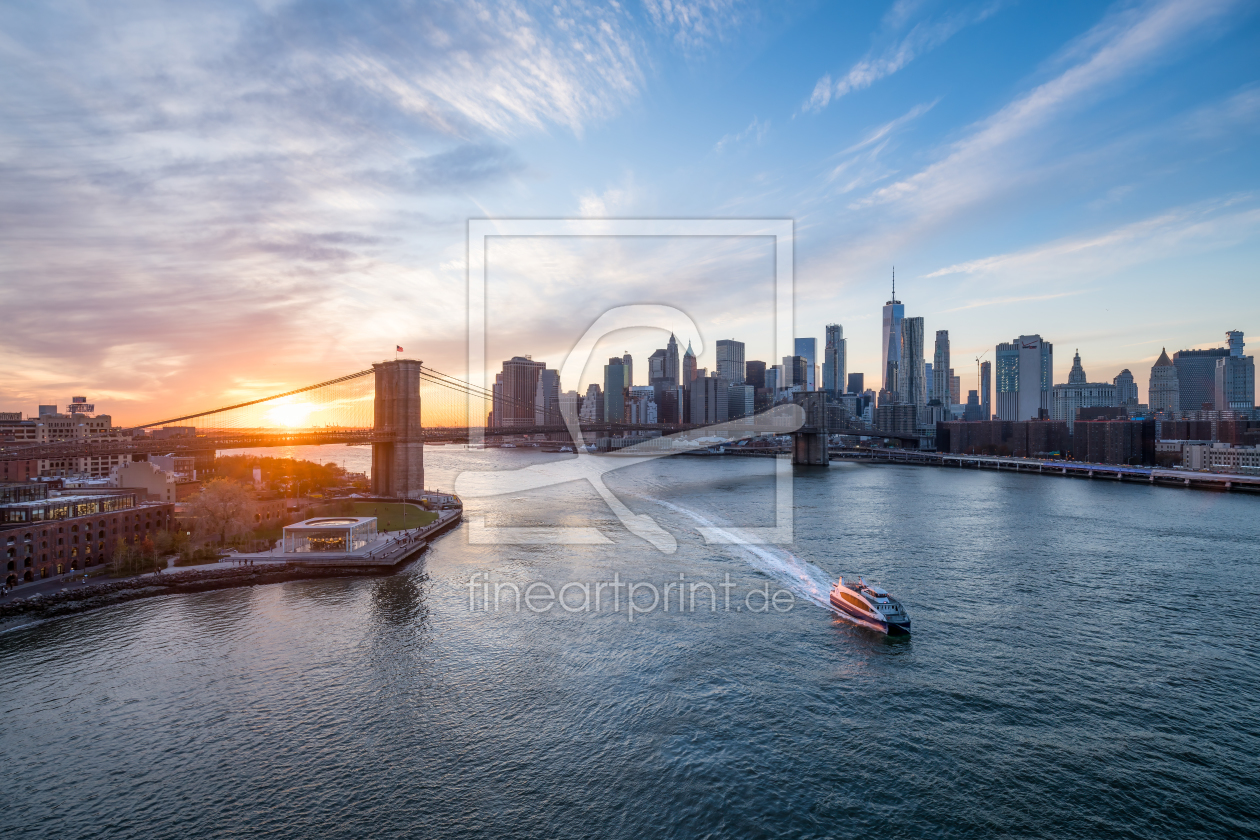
(1084, 663)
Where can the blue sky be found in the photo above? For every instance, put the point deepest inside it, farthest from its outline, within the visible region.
(204, 201)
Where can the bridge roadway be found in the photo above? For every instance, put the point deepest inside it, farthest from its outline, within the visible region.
(90, 448)
(1077, 469)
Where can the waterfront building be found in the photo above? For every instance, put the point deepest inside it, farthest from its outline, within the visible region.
(51, 535)
(856, 384)
(1078, 393)
(1196, 378)
(1024, 370)
(897, 418)
(730, 361)
(986, 390)
(755, 374)
(1164, 391)
(835, 350)
(1114, 441)
(893, 313)
(547, 398)
(1235, 377)
(1021, 439)
(940, 367)
(1126, 390)
(807, 349)
(913, 384)
(615, 390)
(518, 388)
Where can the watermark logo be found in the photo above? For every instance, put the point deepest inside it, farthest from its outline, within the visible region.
(472, 485)
(639, 598)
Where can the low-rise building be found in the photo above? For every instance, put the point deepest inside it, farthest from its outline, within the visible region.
(1222, 457)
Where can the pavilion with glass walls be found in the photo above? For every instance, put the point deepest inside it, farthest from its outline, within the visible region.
(342, 534)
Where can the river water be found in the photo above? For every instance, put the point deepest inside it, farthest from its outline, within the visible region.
(1085, 663)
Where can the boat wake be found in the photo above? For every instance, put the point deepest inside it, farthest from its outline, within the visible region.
(801, 577)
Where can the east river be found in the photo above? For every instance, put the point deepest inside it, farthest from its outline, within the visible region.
(1085, 663)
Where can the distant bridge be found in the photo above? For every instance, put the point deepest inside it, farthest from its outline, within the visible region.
(381, 407)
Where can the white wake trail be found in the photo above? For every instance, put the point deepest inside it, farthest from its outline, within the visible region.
(801, 577)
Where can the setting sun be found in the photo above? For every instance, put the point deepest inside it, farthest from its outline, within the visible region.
(292, 415)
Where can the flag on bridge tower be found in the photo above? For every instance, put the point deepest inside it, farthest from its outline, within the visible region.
(397, 349)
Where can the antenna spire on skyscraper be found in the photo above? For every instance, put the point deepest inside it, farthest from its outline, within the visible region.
(894, 295)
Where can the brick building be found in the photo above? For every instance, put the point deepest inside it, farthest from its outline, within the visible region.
(1018, 438)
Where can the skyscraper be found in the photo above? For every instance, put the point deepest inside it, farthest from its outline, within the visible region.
(547, 398)
(755, 374)
(1163, 394)
(893, 313)
(794, 373)
(807, 349)
(1126, 389)
(1235, 377)
(1077, 392)
(940, 368)
(1024, 370)
(986, 390)
(913, 385)
(615, 390)
(628, 361)
(955, 388)
(688, 367)
(833, 367)
(672, 361)
(856, 384)
(520, 383)
(1196, 377)
(730, 361)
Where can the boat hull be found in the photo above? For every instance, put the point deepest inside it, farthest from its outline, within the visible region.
(868, 620)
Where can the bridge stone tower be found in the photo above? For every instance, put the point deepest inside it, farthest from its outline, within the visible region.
(809, 442)
(398, 465)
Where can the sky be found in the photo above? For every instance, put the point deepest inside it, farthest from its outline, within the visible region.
(202, 203)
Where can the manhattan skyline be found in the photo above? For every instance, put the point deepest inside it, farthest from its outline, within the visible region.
(246, 198)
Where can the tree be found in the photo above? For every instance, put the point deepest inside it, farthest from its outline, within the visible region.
(223, 509)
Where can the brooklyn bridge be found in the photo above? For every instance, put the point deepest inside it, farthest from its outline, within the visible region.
(396, 407)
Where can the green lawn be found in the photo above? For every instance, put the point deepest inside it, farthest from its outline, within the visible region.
(394, 516)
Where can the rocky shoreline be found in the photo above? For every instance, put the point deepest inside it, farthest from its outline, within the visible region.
(80, 599)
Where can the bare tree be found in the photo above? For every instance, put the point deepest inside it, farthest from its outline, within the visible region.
(224, 509)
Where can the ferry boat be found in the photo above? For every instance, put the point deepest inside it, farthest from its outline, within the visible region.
(871, 607)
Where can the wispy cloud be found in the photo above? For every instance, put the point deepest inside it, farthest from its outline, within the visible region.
(1123, 45)
(695, 24)
(922, 37)
(756, 131)
(1182, 230)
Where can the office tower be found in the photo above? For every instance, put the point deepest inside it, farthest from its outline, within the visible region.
(1163, 394)
(755, 374)
(730, 360)
(1024, 370)
(547, 398)
(496, 402)
(1196, 377)
(520, 383)
(928, 380)
(628, 361)
(688, 367)
(774, 378)
(1079, 393)
(913, 385)
(673, 362)
(641, 404)
(973, 410)
(615, 390)
(1126, 389)
(570, 405)
(807, 349)
(955, 388)
(893, 313)
(835, 349)
(856, 385)
(740, 400)
(1235, 377)
(794, 373)
(940, 368)
(986, 390)
(593, 405)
